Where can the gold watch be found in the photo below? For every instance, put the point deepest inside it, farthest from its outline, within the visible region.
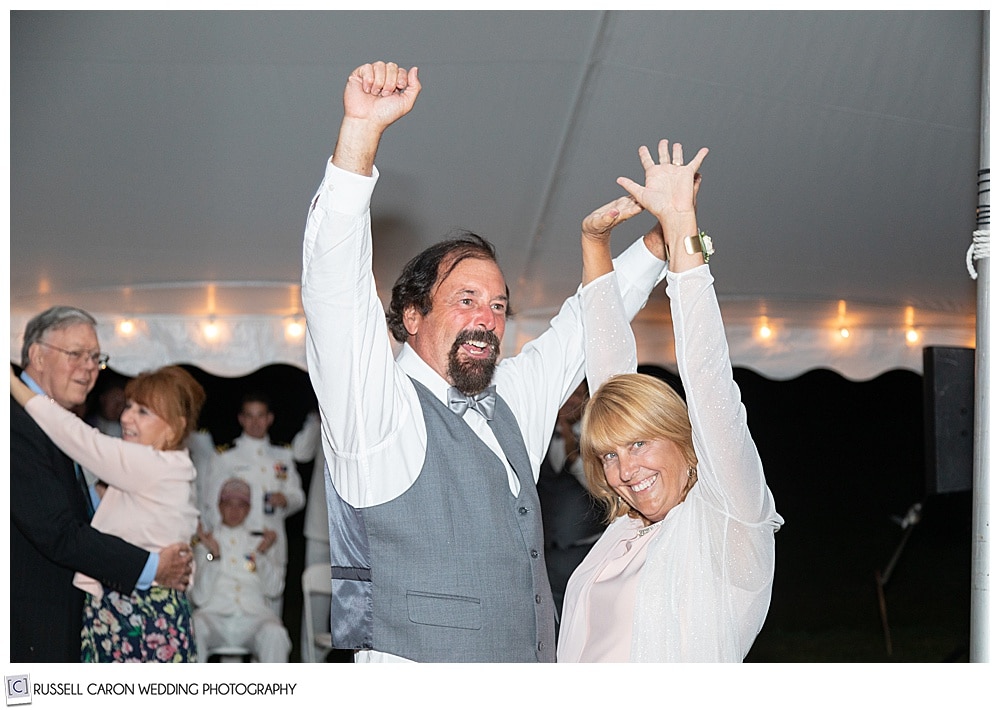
(699, 242)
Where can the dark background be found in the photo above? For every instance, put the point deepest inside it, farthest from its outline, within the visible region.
(841, 457)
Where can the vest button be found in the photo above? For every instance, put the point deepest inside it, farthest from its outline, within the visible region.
(541, 645)
(522, 510)
(534, 554)
(538, 599)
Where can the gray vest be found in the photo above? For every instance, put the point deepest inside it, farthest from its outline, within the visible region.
(454, 568)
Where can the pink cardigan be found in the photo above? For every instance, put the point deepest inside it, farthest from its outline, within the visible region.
(150, 497)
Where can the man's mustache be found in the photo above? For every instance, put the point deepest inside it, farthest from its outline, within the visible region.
(478, 335)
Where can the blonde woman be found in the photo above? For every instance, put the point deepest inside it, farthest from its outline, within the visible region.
(684, 570)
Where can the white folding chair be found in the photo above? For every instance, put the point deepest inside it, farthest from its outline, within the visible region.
(316, 582)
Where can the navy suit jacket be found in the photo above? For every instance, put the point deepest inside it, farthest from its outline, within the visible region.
(50, 539)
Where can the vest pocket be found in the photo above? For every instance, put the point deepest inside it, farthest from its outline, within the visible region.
(448, 610)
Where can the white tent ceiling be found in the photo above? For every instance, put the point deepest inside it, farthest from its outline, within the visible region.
(162, 163)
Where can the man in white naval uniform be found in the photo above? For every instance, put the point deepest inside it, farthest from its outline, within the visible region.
(275, 484)
(235, 576)
(433, 456)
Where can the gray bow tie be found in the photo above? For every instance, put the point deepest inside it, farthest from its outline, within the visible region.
(484, 402)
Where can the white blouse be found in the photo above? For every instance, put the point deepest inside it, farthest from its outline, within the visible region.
(697, 586)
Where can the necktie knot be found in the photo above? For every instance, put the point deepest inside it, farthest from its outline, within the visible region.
(484, 402)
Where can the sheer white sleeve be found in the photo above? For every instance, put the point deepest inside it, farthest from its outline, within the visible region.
(610, 343)
(706, 584)
(729, 468)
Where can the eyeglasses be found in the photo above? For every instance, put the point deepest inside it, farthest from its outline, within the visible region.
(76, 357)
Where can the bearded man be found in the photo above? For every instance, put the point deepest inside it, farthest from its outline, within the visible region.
(432, 456)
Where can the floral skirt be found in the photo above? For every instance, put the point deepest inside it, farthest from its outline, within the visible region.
(147, 626)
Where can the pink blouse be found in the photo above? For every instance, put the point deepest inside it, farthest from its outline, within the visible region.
(614, 568)
(150, 497)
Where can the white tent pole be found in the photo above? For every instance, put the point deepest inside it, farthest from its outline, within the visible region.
(979, 618)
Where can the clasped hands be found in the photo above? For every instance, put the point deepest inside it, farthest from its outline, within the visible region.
(670, 193)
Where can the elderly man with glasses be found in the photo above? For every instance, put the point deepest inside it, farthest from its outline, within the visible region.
(50, 504)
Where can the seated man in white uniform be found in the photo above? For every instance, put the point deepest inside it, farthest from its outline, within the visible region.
(235, 576)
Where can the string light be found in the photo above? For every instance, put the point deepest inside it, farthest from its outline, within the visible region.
(295, 329)
(841, 319)
(764, 330)
(912, 335)
(126, 327)
(211, 329)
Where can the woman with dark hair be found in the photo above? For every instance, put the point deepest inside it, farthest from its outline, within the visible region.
(146, 498)
(684, 570)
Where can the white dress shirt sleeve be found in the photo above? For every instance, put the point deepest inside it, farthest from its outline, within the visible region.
(373, 437)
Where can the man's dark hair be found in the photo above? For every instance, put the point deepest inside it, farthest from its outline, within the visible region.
(417, 280)
(256, 396)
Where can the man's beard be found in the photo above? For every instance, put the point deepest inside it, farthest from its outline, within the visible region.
(473, 376)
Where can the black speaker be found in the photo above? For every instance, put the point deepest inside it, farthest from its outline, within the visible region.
(949, 402)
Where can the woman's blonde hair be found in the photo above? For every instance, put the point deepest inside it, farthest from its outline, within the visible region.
(628, 408)
(174, 395)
